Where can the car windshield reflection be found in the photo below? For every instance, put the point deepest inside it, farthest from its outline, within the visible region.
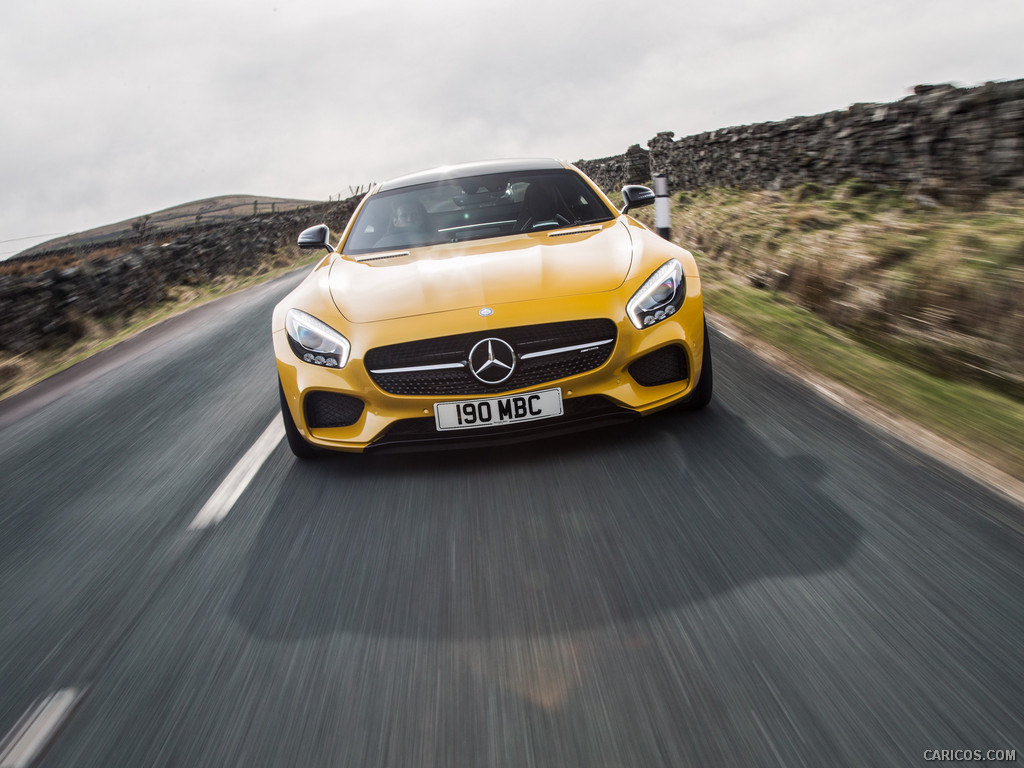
(474, 208)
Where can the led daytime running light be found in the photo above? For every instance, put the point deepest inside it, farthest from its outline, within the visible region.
(652, 303)
(314, 341)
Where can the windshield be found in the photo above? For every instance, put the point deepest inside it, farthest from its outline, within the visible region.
(473, 208)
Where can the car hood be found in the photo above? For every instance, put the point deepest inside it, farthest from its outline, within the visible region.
(541, 265)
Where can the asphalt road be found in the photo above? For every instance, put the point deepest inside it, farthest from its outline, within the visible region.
(768, 582)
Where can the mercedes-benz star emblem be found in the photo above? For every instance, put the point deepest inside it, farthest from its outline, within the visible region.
(492, 361)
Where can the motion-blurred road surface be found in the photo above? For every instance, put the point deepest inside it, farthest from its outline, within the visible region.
(767, 582)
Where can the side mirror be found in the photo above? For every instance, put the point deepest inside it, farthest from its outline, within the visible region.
(636, 196)
(316, 237)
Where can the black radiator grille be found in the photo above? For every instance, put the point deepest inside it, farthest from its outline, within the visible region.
(590, 344)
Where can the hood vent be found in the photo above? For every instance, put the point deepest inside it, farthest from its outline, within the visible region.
(574, 232)
(380, 256)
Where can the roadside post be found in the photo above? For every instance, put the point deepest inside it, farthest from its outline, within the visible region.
(661, 207)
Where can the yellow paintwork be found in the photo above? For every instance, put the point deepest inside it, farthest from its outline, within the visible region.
(526, 279)
(482, 273)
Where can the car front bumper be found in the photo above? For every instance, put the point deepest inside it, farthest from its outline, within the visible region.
(608, 393)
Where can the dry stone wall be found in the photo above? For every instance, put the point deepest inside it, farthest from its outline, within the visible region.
(610, 173)
(48, 308)
(951, 144)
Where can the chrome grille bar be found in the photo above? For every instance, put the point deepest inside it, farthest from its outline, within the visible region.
(418, 368)
(575, 348)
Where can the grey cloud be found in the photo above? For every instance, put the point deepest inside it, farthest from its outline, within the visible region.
(125, 109)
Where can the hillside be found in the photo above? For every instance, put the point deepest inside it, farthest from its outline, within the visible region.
(214, 209)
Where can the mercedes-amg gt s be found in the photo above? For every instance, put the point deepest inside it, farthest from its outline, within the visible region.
(487, 302)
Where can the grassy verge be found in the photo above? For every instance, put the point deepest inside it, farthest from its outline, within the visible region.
(18, 372)
(981, 421)
(939, 287)
(879, 292)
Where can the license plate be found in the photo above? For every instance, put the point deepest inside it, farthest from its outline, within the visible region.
(495, 411)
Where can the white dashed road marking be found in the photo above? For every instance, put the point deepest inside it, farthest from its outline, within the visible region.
(224, 498)
(30, 734)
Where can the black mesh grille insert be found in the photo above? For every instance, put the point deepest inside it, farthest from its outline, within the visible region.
(330, 409)
(662, 366)
(524, 341)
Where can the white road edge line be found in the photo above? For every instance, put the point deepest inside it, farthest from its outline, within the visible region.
(224, 498)
(31, 733)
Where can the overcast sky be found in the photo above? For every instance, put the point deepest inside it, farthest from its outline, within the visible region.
(114, 109)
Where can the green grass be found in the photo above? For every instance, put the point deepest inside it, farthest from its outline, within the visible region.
(981, 421)
(945, 284)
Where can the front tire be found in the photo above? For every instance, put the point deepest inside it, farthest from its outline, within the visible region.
(296, 441)
(701, 394)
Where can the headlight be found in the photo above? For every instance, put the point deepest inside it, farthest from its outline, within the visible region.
(661, 295)
(315, 341)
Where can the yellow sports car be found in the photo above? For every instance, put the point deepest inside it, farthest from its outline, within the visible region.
(487, 302)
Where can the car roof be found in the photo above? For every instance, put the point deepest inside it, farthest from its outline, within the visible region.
(471, 169)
